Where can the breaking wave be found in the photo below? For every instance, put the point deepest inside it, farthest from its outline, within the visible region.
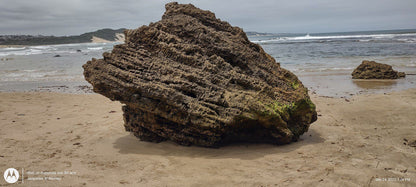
(408, 37)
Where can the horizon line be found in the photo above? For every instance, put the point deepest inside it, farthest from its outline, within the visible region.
(326, 32)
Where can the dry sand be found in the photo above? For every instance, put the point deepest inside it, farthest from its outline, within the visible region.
(95, 39)
(119, 38)
(355, 142)
(9, 46)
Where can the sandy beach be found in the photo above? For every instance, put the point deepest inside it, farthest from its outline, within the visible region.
(294, 93)
(76, 140)
(9, 46)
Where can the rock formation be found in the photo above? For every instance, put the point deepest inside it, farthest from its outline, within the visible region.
(374, 70)
(196, 80)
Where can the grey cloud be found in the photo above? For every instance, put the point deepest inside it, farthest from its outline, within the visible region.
(79, 16)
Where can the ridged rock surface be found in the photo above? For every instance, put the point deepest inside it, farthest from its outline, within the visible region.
(196, 80)
(373, 70)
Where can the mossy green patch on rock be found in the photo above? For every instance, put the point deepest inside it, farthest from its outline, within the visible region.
(258, 126)
(282, 109)
(287, 120)
(303, 111)
(295, 85)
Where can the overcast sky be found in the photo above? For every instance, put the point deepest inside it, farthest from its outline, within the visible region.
(70, 17)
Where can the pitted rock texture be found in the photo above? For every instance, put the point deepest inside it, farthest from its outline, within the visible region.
(373, 70)
(196, 80)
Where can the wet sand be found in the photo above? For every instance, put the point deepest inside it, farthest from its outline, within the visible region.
(336, 84)
(341, 85)
(73, 87)
(365, 140)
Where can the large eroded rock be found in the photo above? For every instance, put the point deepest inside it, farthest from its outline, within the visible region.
(373, 70)
(194, 79)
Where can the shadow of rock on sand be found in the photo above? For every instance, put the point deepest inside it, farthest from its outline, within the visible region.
(246, 151)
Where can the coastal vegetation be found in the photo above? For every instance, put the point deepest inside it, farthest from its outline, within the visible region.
(106, 34)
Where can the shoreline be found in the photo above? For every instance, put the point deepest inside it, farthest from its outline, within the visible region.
(360, 141)
(337, 85)
(73, 87)
(341, 84)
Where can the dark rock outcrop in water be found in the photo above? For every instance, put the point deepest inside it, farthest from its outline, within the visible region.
(194, 79)
(374, 70)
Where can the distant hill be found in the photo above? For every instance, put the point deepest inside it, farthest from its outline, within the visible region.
(105, 34)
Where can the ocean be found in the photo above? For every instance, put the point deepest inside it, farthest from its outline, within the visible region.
(48, 68)
(340, 51)
(322, 61)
